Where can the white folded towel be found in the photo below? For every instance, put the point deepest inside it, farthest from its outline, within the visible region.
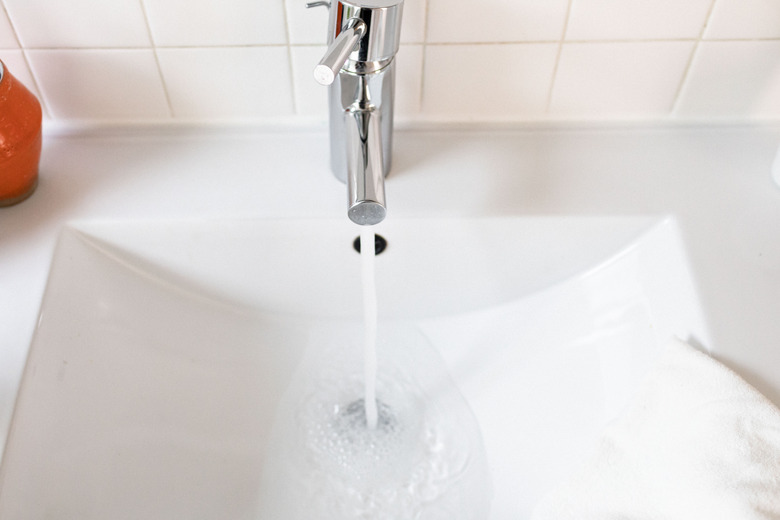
(697, 442)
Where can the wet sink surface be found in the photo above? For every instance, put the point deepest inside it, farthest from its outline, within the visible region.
(164, 348)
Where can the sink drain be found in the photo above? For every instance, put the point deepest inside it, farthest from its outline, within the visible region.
(380, 244)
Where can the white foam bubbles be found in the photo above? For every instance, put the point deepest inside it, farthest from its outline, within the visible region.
(424, 459)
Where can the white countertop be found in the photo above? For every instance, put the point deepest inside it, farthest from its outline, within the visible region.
(714, 180)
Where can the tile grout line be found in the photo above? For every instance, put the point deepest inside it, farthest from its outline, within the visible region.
(44, 103)
(548, 103)
(421, 99)
(290, 68)
(687, 73)
(157, 60)
(429, 44)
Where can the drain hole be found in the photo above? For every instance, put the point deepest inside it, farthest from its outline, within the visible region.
(380, 244)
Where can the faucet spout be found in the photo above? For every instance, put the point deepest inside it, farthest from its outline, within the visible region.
(365, 169)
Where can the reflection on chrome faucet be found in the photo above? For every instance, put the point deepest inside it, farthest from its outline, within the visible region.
(359, 68)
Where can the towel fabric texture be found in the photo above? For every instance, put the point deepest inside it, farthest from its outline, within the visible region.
(697, 442)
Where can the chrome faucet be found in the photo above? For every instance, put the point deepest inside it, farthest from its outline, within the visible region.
(359, 68)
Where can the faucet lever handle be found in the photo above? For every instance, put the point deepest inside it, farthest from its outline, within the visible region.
(336, 56)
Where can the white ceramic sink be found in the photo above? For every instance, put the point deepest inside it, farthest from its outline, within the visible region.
(164, 348)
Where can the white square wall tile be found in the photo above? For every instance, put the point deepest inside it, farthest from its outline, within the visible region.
(311, 98)
(413, 21)
(621, 79)
(7, 36)
(744, 19)
(734, 80)
(636, 19)
(227, 83)
(470, 21)
(216, 22)
(310, 26)
(408, 81)
(100, 83)
(488, 82)
(79, 23)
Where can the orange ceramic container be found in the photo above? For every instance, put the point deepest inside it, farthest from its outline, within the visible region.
(20, 139)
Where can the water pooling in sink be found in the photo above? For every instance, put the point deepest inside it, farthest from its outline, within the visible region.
(409, 448)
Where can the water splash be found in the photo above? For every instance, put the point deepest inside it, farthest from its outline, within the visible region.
(424, 459)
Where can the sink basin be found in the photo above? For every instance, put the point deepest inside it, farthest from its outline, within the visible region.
(164, 349)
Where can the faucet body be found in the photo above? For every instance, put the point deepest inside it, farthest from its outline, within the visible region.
(359, 68)
(361, 139)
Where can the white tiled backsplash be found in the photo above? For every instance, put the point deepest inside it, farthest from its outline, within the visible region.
(460, 60)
